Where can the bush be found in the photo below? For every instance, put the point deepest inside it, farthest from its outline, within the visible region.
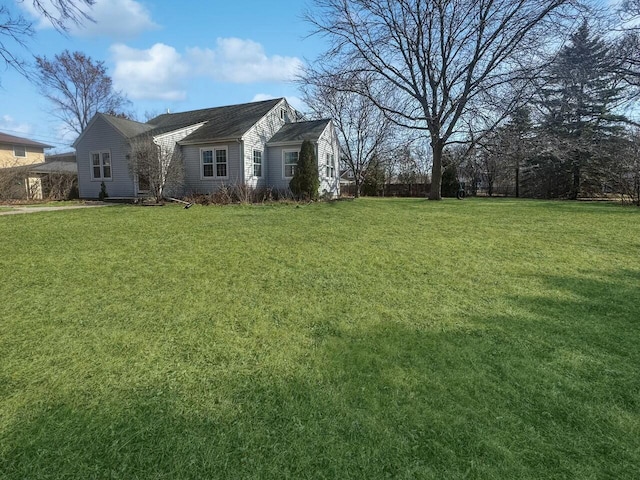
(450, 184)
(305, 182)
(103, 192)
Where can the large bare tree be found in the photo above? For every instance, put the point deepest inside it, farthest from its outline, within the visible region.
(364, 132)
(434, 64)
(16, 30)
(79, 88)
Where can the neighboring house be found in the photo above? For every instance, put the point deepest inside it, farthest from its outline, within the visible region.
(252, 144)
(56, 178)
(18, 151)
(17, 154)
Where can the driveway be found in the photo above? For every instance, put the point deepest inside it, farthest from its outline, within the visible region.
(16, 209)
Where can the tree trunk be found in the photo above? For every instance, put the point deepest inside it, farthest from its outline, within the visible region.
(358, 188)
(436, 170)
(517, 180)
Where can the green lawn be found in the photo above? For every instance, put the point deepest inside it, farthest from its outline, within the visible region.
(369, 339)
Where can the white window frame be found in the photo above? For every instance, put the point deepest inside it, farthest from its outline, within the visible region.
(102, 177)
(284, 165)
(15, 154)
(260, 164)
(214, 151)
(333, 166)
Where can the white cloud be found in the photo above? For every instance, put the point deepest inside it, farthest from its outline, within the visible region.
(156, 73)
(9, 125)
(118, 19)
(160, 72)
(236, 60)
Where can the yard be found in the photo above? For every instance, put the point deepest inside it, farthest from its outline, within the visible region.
(368, 339)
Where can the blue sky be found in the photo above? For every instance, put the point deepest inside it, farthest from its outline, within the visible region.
(177, 55)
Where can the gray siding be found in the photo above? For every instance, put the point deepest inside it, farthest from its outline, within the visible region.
(168, 142)
(257, 137)
(101, 136)
(328, 144)
(276, 167)
(192, 168)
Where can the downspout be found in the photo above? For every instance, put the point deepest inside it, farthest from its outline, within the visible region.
(243, 163)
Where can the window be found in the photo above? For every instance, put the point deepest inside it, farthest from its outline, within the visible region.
(101, 165)
(19, 151)
(257, 163)
(221, 163)
(214, 163)
(331, 166)
(290, 162)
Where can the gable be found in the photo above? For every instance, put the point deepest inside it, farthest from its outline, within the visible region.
(124, 128)
(298, 132)
(220, 123)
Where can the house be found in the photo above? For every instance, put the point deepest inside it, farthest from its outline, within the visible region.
(253, 144)
(18, 151)
(56, 178)
(17, 154)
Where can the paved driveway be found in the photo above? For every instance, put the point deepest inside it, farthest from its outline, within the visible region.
(16, 209)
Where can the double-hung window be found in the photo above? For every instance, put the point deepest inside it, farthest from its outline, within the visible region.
(331, 166)
(101, 165)
(290, 160)
(214, 163)
(257, 163)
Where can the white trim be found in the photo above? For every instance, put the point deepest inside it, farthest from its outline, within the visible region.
(170, 133)
(100, 154)
(284, 151)
(253, 159)
(214, 163)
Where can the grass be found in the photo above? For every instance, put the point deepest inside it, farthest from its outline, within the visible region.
(367, 339)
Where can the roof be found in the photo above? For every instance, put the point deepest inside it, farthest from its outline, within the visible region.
(13, 140)
(231, 121)
(228, 122)
(55, 166)
(300, 131)
(61, 157)
(128, 128)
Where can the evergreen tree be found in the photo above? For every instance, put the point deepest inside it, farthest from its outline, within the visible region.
(306, 182)
(581, 92)
(450, 183)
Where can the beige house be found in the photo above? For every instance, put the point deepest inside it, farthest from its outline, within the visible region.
(18, 151)
(17, 154)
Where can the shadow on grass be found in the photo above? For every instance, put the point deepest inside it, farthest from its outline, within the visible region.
(550, 391)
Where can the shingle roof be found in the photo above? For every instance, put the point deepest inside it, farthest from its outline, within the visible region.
(13, 140)
(128, 128)
(300, 131)
(55, 166)
(221, 122)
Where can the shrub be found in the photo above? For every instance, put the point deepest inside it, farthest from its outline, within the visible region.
(305, 182)
(103, 192)
(450, 184)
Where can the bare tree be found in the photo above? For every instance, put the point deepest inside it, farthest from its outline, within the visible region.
(158, 168)
(79, 88)
(362, 129)
(431, 63)
(15, 30)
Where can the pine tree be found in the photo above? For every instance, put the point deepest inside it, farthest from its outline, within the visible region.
(306, 182)
(579, 98)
